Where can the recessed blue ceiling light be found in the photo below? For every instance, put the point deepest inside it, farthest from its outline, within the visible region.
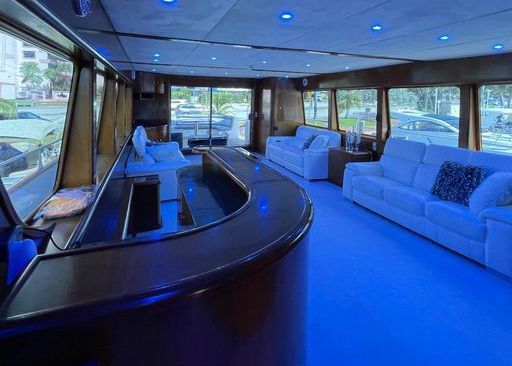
(444, 37)
(156, 55)
(498, 47)
(257, 75)
(263, 62)
(213, 58)
(308, 65)
(347, 67)
(377, 27)
(168, 1)
(191, 71)
(155, 60)
(226, 73)
(286, 15)
(153, 70)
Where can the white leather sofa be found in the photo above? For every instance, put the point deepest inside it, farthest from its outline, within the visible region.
(160, 159)
(398, 187)
(310, 163)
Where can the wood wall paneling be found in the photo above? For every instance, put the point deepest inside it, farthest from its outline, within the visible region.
(78, 155)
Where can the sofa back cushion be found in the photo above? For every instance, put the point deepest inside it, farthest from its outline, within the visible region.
(306, 131)
(435, 156)
(492, 162)
(401, 159)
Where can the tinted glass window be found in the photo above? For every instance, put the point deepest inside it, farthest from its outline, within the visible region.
(33, 105)
(357, 107)
(316, 108)
(429, 115)
(496, 118)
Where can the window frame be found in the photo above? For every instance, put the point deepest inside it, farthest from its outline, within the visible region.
(304, 122)
(376, 114)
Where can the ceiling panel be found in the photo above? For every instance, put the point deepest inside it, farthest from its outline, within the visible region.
(183, 19)
(470, 38)
(107, 45)
(400, 18)
(411, 31)
(144, 50)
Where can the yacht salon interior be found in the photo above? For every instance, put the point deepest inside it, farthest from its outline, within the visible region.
(255, 183)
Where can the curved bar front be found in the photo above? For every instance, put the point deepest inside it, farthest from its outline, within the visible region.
(230, 293)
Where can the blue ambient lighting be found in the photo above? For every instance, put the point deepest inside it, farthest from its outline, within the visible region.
(191, 71)
(377, 27)
(347, 67)
(498, 47)
(286, 15)
(156, 55)
(308, 65)
(257, 75)
(444, 37)
(226, 73)
(168, 1)
(263, 206)
(155, 60)
(263, 62)
(153, 70)
(257, 167)
(214, 58)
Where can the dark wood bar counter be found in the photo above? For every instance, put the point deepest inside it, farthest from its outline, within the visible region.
(231, 292)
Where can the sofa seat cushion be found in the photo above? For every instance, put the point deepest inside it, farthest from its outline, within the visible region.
(409, 199)
(293, 155)
(457, 218)
(374, 185)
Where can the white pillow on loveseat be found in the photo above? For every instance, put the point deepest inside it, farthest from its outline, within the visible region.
(496, 190)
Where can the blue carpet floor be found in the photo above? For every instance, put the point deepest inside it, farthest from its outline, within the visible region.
(382, 295)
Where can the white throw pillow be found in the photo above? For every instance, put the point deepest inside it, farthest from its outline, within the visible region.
(320, 142)
(164, 153)
(139, 144)
(494, 191)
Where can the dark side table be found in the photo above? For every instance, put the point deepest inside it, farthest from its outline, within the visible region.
(339, 158)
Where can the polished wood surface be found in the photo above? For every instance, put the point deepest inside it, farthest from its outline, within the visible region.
(185, 265)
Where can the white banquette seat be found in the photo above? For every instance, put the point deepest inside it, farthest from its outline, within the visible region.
(310, 163)
(399, 188)
(162, 159)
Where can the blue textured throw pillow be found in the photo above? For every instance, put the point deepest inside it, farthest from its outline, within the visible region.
(456, 182)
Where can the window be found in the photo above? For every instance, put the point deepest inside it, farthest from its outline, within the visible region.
(429, 115)
(316, 108)
(231, 110)
(29, 54)
(226, 123)
(496, 118)
(99, 88)
(357, 108)
(32, 116)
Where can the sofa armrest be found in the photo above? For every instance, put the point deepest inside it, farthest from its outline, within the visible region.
(272, 139)
(370, 168)
(316, 163)
(499, 213)
(498, 243)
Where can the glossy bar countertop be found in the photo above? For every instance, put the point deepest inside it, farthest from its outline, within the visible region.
(82, 283)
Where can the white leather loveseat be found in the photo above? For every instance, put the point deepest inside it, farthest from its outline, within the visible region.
(311, 163)
(160, 159)
(398, 187)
